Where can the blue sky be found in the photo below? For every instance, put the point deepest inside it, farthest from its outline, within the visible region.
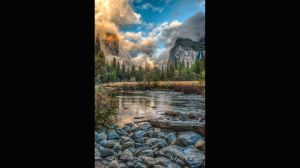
(155, 12)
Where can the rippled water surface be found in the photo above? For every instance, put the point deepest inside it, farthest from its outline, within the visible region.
(151, 104)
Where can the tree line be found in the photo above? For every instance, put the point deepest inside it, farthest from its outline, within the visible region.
(118, 72)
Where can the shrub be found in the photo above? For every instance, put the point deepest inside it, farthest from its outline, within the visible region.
(105, 108)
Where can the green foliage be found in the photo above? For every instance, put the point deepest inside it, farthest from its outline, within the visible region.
(100, 65)
(105, 108)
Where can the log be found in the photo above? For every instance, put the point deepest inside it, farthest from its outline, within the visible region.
(179, 126)
(172, 113)
(137, 122)
(138, 117)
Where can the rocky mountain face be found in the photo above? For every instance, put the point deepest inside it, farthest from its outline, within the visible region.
(110, 44)
(186, 50)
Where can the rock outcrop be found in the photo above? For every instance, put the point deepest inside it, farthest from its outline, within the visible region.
(187, 51)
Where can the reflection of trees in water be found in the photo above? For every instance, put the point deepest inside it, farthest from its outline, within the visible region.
(140, 105)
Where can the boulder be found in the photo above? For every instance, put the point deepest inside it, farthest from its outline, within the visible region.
(182, 156)
(131, 135)
(127, 145)
(100, 137)
(117, 148)
(200, 144)
(194, 158)
(139, 145)
(159, 166)
(163, 135)
(188, 138)
(124, 139)
(141, 140)
(174, 153)
(130, 165)
(126, 156)
(139, 134)
(109, 144)
(156, 143)
(106, 152)
(149, 161)
(121, 132)
(112, 135)
(166, 162)
(145, 126)
(126, 128)
(151, 134)
(140, 165)
(138, 151)
(97, 153)
(114, 164)
(149, 153)
(171, 139)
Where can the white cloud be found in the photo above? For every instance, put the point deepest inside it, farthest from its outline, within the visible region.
(111, 14)
(134, 36)
(153, 8)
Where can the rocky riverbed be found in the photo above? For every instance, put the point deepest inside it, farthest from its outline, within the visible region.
(142, 146)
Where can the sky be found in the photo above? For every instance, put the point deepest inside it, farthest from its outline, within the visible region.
(147, 29)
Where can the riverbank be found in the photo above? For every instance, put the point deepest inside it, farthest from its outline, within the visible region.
(143, 145)
(140, 146)
(187, 87)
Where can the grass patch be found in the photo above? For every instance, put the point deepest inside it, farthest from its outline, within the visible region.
(187, 87)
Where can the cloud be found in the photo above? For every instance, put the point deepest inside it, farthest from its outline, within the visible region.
(111, 14)
(133, 36)
(193, 28)
(201, 4)
(153, 8)
(146, 46)
(167, 33)
(141, 45)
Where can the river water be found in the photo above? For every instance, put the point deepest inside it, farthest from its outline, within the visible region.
(152, 104)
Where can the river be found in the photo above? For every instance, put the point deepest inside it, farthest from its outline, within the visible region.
(152, 104)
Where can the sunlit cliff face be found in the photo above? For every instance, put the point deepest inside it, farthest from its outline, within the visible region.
(111, 37)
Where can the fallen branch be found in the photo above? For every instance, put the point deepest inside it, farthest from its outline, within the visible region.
(179, 125)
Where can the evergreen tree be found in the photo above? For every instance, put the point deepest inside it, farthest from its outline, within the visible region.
(100, 67)
(128, 74)
(162, 76)
(147, 66)
(123, 71)
(133, 73)
(114, 63)
(119, 74)
(139, 75)
(97, 45)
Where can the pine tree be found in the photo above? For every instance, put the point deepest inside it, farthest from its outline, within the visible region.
(97, 45)
(100, 67)
(147, 66)
(123, 71)
(132, 74)
(119, 75)
(139, 76)
(114, 63)
(128, 74)
(162, 77)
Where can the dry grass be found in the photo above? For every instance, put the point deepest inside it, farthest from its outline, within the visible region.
(160, 83)
(188, 87)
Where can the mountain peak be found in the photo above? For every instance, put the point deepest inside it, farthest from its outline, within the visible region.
(185, 50)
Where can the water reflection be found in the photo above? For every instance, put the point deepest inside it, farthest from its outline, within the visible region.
(152, 104)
